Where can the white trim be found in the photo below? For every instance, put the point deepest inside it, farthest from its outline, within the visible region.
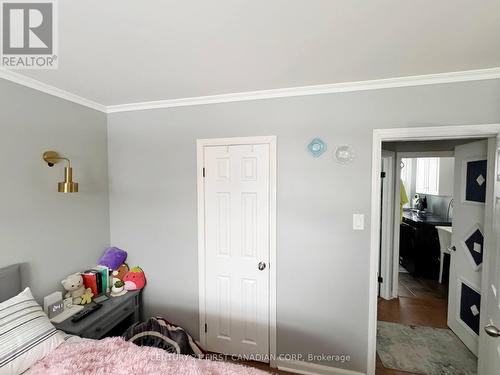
(48, 89)
(273, 171)
(374, 84)
(396, 228)
(236, 141)
(201, 240)
(387, 241)
(374, 254)
(437, 132)
(426, 154)
(309, 368)
(403, 134)
(490, 242)
(200, 144)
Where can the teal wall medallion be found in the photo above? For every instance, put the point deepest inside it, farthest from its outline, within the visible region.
(316, 147)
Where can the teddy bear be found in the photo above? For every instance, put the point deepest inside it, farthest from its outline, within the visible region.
(73, 284)
(121, 271)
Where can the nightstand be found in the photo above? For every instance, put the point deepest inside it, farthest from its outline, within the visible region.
(112, 319)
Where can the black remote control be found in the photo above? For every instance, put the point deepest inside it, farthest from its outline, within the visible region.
(85, 312)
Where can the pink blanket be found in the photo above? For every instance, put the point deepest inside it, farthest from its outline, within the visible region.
(116, 356)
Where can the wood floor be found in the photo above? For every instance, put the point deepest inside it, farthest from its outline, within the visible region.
(410, 286)
(421, 302)
(408, 310)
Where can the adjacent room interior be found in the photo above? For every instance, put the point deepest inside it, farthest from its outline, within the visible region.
(418, 285)
(238, 187)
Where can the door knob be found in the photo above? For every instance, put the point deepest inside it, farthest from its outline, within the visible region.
(452, 248)
(262, 266)
(492, 331)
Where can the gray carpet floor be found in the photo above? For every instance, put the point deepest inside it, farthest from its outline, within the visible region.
(423, 350)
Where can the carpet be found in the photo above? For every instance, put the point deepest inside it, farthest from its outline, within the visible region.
(423, 350)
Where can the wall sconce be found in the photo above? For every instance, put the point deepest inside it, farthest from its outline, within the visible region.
(67, 186)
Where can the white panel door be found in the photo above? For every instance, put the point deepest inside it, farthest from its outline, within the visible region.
(237, 188)
(489, 339)
(464, 299)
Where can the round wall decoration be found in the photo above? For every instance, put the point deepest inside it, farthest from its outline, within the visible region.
(316, 147)
(344, 154)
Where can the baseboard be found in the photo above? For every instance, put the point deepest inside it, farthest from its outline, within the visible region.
(308, 368)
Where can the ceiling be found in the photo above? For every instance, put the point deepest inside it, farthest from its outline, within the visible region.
(125, 51)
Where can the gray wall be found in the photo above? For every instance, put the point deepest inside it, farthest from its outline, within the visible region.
(322, 265)
(55, 234)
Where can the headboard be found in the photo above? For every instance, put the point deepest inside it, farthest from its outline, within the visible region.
(10, 281)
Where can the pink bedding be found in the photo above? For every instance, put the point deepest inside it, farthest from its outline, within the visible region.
(116, 356)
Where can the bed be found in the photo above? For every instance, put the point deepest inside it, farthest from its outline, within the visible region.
(30, 344)
(10, 281)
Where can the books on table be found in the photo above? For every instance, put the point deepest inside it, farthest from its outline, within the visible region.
(97, 279)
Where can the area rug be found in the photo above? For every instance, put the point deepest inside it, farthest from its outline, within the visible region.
(423, 350)
(119, 357)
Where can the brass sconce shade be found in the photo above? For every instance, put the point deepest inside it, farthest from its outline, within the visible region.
(67, 186)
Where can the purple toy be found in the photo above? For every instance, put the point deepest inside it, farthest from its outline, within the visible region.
(113, 257)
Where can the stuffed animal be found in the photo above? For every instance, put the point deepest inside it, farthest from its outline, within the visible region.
(87, 296)
(73, 284)
(121, 271)
(113, 257)
(135, 279)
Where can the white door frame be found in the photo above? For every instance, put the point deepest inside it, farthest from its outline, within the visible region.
(387, 240)
(408, 134)
(200, 144)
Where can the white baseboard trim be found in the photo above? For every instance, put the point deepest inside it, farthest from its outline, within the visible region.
(308, 368)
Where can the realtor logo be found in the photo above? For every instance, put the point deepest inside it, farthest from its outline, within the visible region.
(28, 34)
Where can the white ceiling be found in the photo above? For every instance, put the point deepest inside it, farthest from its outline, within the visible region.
(124, 51)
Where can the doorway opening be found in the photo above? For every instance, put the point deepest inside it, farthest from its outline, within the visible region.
(435, 196)
(425, 189)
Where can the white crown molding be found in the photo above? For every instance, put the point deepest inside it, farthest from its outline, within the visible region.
(48, 89)
(429, 79)
(377, 84)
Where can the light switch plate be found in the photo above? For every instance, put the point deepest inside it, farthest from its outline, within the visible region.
(358, 221)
